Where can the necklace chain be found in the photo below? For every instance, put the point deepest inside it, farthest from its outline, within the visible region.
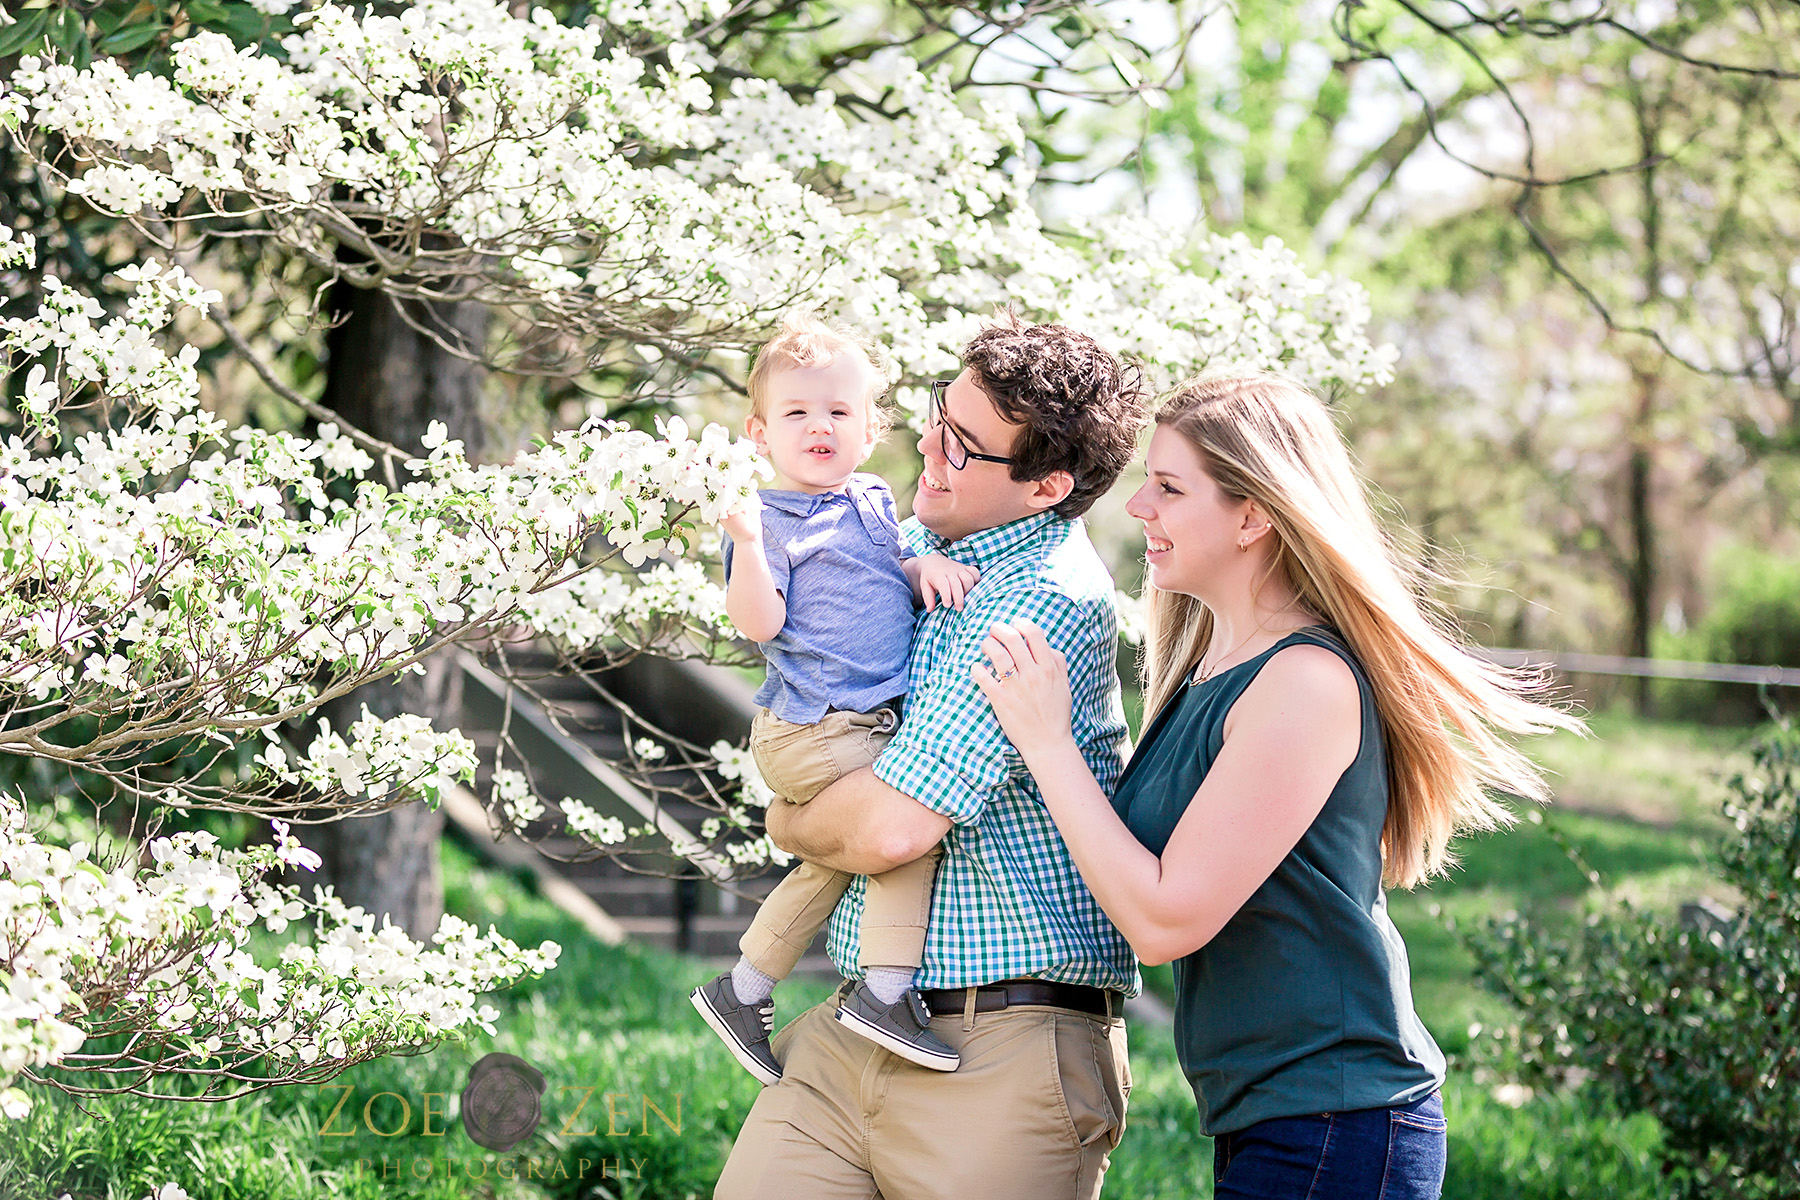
(1202, 672)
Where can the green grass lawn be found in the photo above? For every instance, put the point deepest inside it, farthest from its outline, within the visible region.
(614, 1022)
(1641, 802)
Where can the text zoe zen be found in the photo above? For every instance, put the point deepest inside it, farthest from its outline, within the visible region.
(624, 1118)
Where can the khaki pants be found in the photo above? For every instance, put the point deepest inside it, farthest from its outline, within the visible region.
(1033, 1113)
(799, 762)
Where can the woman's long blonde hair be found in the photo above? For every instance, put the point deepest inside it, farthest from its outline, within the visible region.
(1443, 711)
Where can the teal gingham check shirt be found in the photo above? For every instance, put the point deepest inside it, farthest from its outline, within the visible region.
(1008, 903)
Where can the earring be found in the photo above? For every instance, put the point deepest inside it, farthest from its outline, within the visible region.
(1243, 547)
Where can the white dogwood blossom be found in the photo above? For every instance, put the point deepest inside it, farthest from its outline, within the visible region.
(565, 178)
(163, 949)
(738, 764)
(204, 579)
(514, 799)
(590, 826)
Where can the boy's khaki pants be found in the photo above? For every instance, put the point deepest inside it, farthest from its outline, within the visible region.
(798, 762)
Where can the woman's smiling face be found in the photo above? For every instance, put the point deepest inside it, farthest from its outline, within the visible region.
(1191, 527)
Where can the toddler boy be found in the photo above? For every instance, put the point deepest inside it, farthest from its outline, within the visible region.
(815, 575)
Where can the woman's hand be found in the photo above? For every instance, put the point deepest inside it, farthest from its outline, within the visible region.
(1028, 685)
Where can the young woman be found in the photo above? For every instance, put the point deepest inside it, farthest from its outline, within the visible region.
(1316, 736)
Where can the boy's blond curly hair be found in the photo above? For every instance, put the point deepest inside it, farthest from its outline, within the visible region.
(806, 340)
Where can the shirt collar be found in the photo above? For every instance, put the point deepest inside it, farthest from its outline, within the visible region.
(986, 547)
(805, 504)
(856, 494)
(801, 504)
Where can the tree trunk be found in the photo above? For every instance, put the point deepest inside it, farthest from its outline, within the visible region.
(392, 381)
(1640, 584)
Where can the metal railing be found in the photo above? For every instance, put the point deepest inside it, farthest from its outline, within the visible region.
(1652, 668)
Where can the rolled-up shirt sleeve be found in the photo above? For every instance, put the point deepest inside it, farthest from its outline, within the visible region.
(950, 753)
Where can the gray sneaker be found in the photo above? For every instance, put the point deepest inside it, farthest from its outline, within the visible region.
(904, 1026)
(744, 1027)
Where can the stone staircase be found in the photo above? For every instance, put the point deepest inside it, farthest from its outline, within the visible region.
(703, 914)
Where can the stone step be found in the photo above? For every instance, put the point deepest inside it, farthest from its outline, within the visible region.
(816, 966)
(577, 753)
(632, 898)
(708, 936)
(609, 746)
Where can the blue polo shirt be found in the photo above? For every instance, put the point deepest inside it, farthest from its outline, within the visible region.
(835, 558)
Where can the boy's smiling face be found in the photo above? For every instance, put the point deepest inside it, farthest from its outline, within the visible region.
(815, 423)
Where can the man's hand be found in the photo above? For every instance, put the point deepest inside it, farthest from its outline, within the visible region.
(744, 523)
(936, 578)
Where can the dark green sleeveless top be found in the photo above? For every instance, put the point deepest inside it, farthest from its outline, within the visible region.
(1303, 1002)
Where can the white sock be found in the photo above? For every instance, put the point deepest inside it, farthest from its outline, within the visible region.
(889, 983)
(750, 984)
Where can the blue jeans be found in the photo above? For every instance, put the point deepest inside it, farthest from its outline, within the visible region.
(1369, 1154)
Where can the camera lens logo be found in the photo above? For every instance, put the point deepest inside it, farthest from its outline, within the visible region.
(500, 1104)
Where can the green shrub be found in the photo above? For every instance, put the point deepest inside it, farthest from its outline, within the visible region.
(1700, 1028)
(1753, 619)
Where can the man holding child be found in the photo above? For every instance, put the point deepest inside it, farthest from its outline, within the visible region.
(1022, 976)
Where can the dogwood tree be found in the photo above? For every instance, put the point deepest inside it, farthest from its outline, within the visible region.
(170, 581)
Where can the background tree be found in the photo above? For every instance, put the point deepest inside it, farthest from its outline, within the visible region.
(1597, 208)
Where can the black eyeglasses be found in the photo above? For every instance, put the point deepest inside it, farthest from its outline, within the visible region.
(956, 450)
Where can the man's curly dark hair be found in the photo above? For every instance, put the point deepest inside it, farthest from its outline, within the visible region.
(1080, 405)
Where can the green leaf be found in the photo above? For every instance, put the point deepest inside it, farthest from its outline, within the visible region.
(130, 38)
(17, 38)
(246, 25)
(109, 17)
(1071, 31)
(205, 11)
(69, 31)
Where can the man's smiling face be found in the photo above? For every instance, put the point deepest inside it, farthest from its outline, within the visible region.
(955, 503)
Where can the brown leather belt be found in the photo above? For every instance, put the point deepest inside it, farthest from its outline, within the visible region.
(1031, 993)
